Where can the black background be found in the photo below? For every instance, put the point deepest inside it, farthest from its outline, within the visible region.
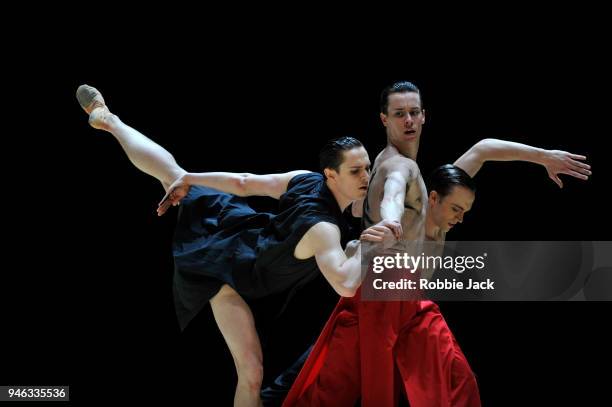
(86, 291)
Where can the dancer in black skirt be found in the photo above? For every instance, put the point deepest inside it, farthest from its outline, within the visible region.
(225, 251)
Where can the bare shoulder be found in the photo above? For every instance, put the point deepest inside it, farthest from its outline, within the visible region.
(324, 231)
(400, 164)
(320, 238)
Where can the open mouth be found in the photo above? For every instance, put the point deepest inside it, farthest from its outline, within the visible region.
(410, 134)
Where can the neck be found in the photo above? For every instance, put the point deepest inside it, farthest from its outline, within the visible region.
(409, 151)
(432, 231)
(342, 201)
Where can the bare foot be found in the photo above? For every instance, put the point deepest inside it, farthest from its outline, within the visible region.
(92, 102)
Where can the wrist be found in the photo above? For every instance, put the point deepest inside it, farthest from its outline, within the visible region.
(187, 178)
(541, 156)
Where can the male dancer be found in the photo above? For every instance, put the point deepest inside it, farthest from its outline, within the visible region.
(224, 250)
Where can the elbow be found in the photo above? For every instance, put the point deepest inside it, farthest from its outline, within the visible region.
(488, 146)
(482, 151)
(241, 185)
(483, 145)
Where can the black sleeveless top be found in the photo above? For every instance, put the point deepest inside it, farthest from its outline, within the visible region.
(220, 240)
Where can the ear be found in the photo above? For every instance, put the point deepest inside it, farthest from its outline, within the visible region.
(329, 173)
(423, 116)
(433, 197)
(383, 119)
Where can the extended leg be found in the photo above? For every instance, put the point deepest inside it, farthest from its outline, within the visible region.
(145, 154)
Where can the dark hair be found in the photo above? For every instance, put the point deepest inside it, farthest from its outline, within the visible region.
(397, 87)
(331, 155)
(444, 178)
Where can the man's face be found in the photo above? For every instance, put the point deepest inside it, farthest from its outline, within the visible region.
(404, 121)
(447, 211)
(354, 174)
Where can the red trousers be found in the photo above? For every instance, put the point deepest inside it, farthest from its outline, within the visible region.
(373, 349)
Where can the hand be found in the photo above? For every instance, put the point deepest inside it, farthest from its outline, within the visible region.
(387, 232)
(177, 191)
(562, 162)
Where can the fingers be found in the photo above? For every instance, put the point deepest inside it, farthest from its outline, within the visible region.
(399, 231)
(378, 232)
(163, 201)
(161, 210)
(374, 231)
(169, 200)
(582, 170)
(383, 230)
(576, 175)
(557, 180)
(571, 170)
(166, 197)
(396, 228)
(580, 164)
(577, 157)
(577, 166)
(370, 238)
(163, 207)
(392, 228)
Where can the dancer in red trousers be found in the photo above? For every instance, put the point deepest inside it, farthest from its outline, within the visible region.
(374, 349)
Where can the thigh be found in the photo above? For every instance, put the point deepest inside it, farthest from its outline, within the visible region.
(237, 325)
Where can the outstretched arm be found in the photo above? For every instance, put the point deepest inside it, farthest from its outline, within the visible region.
(241, 184)
(555, 161)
